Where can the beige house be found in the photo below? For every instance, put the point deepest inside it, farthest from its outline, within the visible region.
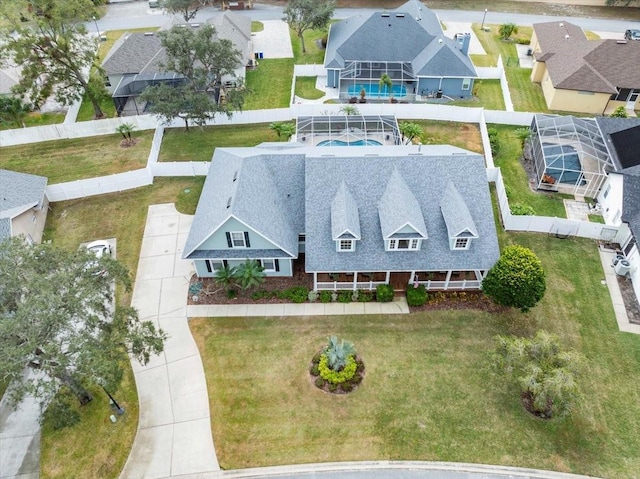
(23, 205)
(581, 75)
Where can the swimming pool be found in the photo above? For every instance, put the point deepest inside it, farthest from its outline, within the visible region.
(349, 143)
(373, 90)
(563, 163)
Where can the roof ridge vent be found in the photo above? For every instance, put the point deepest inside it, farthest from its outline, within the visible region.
(195, 25)
(148, 34)
(399, 15)
(385, 15)
(621, 42)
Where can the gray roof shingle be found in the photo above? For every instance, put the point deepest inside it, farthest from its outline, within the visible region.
(344, 215)
(610, 126)
(410, 33)
(630, 195)
(456, 213)
(18, 193)
(398, 207)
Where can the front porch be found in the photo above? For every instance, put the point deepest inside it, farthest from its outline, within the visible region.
(432, 280)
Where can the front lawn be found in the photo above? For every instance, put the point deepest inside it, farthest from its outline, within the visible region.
(78, 158)
(36, 118)
(516, 180)
(270, 84)
(95, 447)
(427, 392)
(306, 88)
(198, 144)
(462, 135)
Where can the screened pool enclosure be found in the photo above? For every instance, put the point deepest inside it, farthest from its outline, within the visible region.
(348, 130)
(569, 155)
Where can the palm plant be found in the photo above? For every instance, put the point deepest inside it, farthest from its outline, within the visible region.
(385, 80)
(125, 130)
(277, 127)
(249, 274)
(410, 131)
(225, 276)
(507, 29)
(349, 110)
(338, 352)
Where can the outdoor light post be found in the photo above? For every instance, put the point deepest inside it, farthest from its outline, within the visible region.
(113, 403)
(483, 18)
(98, 30)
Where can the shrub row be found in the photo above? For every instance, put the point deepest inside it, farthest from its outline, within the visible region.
(300, 294)
(416, 296)
(296, 294)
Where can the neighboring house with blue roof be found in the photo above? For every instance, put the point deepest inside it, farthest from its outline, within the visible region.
(407, 44)
(23, 205)
(353, 217)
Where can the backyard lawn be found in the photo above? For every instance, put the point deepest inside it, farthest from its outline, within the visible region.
(427, 394)
(462, 135)
(198, 144)
(78, 158)
(516, 179)
(270, 84)
(306, 88)
(314, 54)
(37, 119)
(487, 94)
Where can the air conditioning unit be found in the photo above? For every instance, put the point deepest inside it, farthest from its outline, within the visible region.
(622, 267)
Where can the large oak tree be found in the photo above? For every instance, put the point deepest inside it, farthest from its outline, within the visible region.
(49, 40)
(58, 316)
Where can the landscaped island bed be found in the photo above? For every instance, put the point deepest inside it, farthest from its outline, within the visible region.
(428, 393)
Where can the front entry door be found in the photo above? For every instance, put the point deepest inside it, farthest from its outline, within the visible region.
(631, 102)
(399, 280)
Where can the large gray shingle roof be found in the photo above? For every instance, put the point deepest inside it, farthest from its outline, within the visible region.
(609, 126)
(344, 214)
(410, 33)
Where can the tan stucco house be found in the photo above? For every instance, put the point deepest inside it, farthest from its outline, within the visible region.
(23, 205)
(581, 75)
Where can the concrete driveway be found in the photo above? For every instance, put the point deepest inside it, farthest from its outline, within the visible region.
(274, 41)
(174, 433)
(475, 47)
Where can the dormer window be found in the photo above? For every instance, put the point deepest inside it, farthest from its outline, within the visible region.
(346, 245)
(412, 244)
(461, 243)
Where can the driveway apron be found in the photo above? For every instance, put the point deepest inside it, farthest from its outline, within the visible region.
(174, 433)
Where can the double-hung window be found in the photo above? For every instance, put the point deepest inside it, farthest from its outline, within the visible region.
(238, 239)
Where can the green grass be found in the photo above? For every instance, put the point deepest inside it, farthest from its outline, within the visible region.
(487, 94)
(313, 53)
(95, 447)
(68, 160)
(306, 88)
(86, 109)
(198, 144)
(596, 219)
(516, 179)
(37, 119)
(526, 95)
(483, 60)
(427, 393)
(270, 84)
(256, 27)
(462, 135)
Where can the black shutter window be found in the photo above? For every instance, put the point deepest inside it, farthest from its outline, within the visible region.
(229, 243)
(225, 263)
(208, 264)
(277, 264)
(246, 239)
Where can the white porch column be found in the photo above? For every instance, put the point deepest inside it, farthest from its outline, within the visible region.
(412, 277)
(388, 276)
(315, 281)
(446, 281)
(355, 280)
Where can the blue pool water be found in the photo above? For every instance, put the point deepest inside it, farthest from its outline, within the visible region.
(563, 163)
(373, 91)
(349, 143)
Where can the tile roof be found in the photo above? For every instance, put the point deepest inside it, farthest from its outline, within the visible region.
(306, 181)
(410, 33)
(344, 214)
(456, 213)
(576, 63)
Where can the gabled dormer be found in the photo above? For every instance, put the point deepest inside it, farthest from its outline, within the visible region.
(345, 220)
(401, 219)
(460, 226)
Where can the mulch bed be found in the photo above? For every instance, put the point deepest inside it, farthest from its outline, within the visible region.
(629, 299)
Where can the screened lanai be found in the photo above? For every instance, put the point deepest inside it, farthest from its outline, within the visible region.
(125, 95)
(348, 130)
(569, 154)
(357, 77)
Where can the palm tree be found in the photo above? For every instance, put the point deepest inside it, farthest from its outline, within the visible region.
(338, 352)
(225, 276)
(287, 130)
(277, 127)
(507, 29)
(410, 131)
(125, 130)
(349, 110)
(385, 80)
(249, 274)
